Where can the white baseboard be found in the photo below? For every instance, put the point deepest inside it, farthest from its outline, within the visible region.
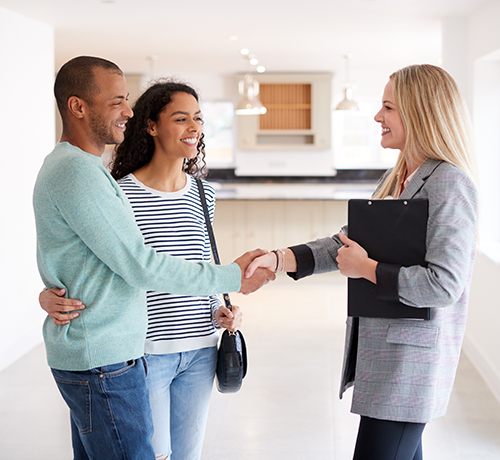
(483, 366)
(17, 350)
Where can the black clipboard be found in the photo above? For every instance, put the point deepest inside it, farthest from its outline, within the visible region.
(394, 232)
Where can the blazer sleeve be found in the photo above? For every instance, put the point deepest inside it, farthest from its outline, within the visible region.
(319, 256)
(325, 251)
(451, 243)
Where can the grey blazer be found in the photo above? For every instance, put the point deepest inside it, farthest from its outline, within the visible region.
(403, 370)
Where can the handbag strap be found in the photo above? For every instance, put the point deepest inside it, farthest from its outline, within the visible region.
(210, 231)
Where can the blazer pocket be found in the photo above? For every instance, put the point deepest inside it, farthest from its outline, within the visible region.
(418, 336)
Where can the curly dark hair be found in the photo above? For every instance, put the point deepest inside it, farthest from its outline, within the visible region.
(138, 146)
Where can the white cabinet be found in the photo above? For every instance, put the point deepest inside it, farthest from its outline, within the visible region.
(298, 114)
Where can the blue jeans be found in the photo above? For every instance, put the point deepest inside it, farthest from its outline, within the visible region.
(180, 386)
(110, 413)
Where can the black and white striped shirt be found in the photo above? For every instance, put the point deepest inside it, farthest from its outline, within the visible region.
(174, 223)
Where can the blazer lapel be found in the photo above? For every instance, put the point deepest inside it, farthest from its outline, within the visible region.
(418, 180)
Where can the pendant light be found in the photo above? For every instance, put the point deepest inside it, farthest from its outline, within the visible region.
(347, 103)
(250, 103)
(248, 88)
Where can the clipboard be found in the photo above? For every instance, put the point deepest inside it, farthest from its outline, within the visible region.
(394, 232)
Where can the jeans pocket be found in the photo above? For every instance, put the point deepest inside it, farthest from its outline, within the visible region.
(113, 370)
(77, 394)
(146, 364)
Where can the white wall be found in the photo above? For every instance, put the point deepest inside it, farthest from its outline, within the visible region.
(482, 340)
(487, 134)
(27, 136)
(484, 33)
(455, 60)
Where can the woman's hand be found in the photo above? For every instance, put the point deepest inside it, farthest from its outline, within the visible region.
(353, 261)
(265, 261)
(258, 278)
(229, 319)
(287, 262)
(60, 309)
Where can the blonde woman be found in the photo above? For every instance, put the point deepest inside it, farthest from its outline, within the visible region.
(403, 370)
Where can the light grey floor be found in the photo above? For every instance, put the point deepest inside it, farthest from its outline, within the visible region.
(288, 407)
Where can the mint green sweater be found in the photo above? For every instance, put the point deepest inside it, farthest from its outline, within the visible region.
(89, 244)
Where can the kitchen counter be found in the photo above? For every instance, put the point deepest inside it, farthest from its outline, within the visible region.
(344, 185)
(292, 191)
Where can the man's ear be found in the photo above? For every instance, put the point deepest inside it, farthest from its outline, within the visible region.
(151, 129)
(77, 107)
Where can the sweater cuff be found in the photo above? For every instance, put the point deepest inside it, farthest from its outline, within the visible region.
(305, 261)
(387, 281)
(235, 274)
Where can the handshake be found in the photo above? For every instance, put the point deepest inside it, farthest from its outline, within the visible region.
(258, 267)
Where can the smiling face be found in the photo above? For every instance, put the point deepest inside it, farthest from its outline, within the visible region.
(393, 133)
(179, 127)
(109, 110)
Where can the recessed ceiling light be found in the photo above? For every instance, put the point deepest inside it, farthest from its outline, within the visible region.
(244, 51)
(233, 38)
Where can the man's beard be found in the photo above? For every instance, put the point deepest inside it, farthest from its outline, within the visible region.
(101, 132)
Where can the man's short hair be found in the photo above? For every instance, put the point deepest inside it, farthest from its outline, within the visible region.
(76, 78)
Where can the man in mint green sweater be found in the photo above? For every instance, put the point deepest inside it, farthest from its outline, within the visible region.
(89, 244)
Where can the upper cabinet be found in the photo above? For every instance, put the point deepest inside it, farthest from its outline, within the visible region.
(298, 114)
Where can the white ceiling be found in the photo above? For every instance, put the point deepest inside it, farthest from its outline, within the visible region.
(286, 35)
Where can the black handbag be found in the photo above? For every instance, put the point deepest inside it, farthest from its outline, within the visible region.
(232, 353)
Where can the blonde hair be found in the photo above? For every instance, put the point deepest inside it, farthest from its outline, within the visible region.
(435, 120)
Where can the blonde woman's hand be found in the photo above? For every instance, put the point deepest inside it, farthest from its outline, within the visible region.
(353, 260)
(259, 277)
(267, 261)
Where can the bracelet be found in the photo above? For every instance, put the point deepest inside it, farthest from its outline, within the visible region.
(283, 254)
(277, 260)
